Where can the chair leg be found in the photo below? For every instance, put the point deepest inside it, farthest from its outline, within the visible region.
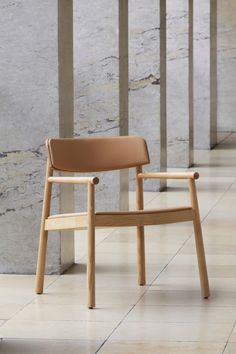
(199, 242)
(41, 262)
(201, 258)
(91, 270)
(140, 231)
(43, 233)
(141, 255)
(91, 250)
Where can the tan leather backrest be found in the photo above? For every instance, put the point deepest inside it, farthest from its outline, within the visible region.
(97, 154)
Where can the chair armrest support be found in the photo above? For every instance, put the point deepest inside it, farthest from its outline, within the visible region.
(169, 175)
(74, 180)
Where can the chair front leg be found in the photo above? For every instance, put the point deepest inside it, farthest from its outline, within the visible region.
(199, 241)
(91, 249)
(43, 233)
(141, 255)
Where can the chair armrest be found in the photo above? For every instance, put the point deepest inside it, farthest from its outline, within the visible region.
(74, 180)
(169, 175)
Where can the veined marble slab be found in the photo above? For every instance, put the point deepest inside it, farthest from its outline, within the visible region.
(178, 119)
(226, 65)
(28, 115)
(97, 86)
(144, 87)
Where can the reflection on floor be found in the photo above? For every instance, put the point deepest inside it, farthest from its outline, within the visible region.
(168, 314)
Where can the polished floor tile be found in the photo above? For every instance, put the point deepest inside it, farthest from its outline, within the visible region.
(74, 330)
(154, 347)
(72, 312)
(182, 314)
(176, 297)
(218, 285)
(103, 297)
(26, 346)
(24, 282)
(186, 332)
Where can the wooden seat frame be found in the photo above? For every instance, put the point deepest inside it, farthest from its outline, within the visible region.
(139, 218)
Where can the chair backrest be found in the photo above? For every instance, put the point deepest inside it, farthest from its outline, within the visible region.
(97, 154)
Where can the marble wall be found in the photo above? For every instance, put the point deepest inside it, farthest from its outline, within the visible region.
(178, 117)
(226, 65)
(96, 58)
(205, 73)
(28, 115)
(202, 74)
(144, 77)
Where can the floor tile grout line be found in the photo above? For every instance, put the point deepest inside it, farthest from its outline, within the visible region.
(224, 348)
(34, 296)
(217, 201)
(225, 138)
(227, 342)
(114, 329)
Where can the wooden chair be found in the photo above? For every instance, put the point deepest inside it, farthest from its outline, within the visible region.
(105, 154)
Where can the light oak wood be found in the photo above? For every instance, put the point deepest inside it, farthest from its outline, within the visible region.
(140, 231)
(91, 248)
(169, 175)
(199, 241)
(74, 180)
(67, 222)
(43, 232)
(146, 217)
(121, 219)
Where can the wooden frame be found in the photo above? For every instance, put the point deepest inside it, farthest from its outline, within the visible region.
(139, 218)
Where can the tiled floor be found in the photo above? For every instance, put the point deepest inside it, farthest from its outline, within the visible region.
(167, 315)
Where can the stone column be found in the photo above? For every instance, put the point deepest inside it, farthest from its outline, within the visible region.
(179, 83)
(191, 81)
(66, 116)
(213, 74)
(29, 115)
(124, 93)
(97, 86)
(226, 65)
(163, 92)
(147, 85)
(205, 73)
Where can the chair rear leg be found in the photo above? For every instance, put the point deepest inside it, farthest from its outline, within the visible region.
(199, 242)
(91, 250)
(141, 255)
(91, 270)
(140, 231)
